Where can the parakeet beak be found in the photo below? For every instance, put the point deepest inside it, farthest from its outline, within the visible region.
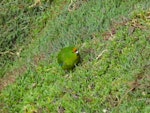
(77, 52)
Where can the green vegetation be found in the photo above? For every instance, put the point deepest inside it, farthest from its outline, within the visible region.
(114, 42)
(20, 22)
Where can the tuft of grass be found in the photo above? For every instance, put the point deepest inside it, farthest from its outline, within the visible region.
(117, 81)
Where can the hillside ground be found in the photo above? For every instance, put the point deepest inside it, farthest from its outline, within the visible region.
(113, 39)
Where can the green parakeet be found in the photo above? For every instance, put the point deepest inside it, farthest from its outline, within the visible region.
(68, 57)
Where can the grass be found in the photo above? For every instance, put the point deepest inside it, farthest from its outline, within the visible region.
(20, 24)
(116, 81)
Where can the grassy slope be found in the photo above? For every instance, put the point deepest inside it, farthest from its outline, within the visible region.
(118, 81)
(21, 25)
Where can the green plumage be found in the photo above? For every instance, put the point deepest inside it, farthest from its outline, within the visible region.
(68, 57)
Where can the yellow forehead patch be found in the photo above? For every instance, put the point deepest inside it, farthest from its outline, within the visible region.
(75, 49)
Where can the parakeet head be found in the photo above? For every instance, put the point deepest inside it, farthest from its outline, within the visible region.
(75, 51)
(68, 57)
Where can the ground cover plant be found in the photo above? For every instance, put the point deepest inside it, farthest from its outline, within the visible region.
(20, 21)
(113, 39)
